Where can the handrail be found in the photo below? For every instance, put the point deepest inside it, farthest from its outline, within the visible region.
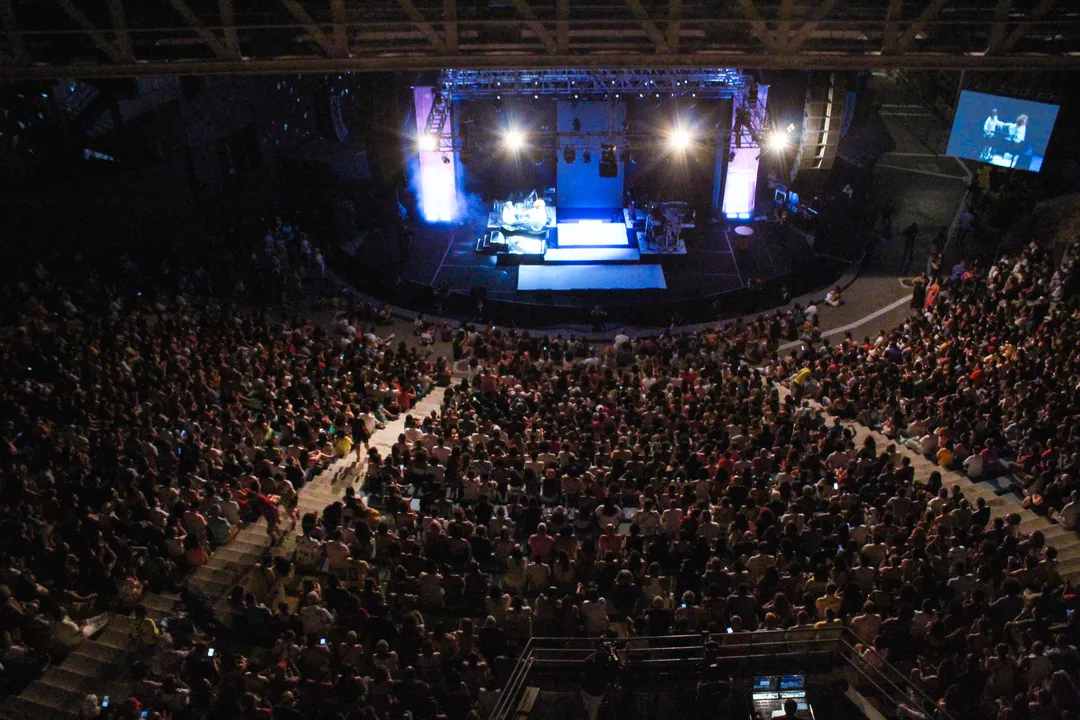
(885, 678)
(893, 669)
(513, 685)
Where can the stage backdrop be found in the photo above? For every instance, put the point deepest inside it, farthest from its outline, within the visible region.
(579, 182)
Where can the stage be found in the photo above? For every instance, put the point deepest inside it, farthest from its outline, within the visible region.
(721, 272)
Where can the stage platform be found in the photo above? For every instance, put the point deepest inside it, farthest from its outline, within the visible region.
(446, 257)
(591, 277)
(591, 254)
(591, 233)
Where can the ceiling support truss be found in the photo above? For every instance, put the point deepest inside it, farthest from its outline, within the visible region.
(417, 18)
(537, 27)
(583, 84)
(196, 24)
(16, 48)
(105, 38)
(314, 31)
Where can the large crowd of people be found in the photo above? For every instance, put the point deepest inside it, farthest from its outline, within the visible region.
(148, 415)
(657, 486)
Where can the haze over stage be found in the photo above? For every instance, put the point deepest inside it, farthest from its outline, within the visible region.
(591, 233)
(591, 277)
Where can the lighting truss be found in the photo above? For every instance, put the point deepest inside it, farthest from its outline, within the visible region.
(438, 119)
(592, 83)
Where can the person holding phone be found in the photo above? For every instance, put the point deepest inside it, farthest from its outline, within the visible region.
(175, 695)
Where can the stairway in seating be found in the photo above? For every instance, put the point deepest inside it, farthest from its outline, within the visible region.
(1067, 542)
(330, 485)
(100, 665)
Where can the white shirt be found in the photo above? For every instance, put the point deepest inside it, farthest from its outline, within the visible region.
(315, 619)
(1070, 515)
(974, 465)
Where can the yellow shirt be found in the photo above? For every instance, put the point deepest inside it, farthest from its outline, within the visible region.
(801, 376)
(147, 631)
(343, 446)
(944, 457)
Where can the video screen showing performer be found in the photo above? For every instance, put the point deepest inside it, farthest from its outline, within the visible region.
(1007, 132)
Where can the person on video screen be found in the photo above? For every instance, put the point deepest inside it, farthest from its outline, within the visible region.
(1013, 145)
(990, 128)
(1016, 132)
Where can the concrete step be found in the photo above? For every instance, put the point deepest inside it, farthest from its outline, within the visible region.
(69, 680)
(159, 604)
(122, 622)
(213, 588)
(22, 708)
(1056, 532)
(113, 637)
(53, 696)
(1070, 568)
(99, 652)
(1066, 554)
(87, 665)
(237, 553)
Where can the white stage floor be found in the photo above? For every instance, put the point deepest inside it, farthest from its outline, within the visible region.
(588, 233)
(591, 277)
(592, 254)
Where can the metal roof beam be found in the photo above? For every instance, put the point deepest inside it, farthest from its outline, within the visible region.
(674, 24)
(120, 29)
(1016, 35)
(757, 23)
(892, 26)
(450, 27)
(417, 62)
(314, 31)
(228, 26)
(929, 13)
(536, 26)
(11, 28)
(642, 16)
(200, 29)
(997, 30)
(810, 26)
(562, 24)
(341, 38)
(417, 18)
(103, 43)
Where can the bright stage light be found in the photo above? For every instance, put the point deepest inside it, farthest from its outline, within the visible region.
(513, 140)
(428, 143)
(679, 140)
(778, 140)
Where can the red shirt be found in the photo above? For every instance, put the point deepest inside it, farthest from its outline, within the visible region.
(541, 545)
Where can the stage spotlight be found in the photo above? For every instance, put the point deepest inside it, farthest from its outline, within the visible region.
(428, 143)
(513, 140)
(778, 140)
(569, 154)
(679, 140)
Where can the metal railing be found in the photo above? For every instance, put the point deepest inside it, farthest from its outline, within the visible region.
(831, 649)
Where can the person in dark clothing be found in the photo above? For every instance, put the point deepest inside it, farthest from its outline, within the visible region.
(598, 673)
(918, 291)
(911, 234)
